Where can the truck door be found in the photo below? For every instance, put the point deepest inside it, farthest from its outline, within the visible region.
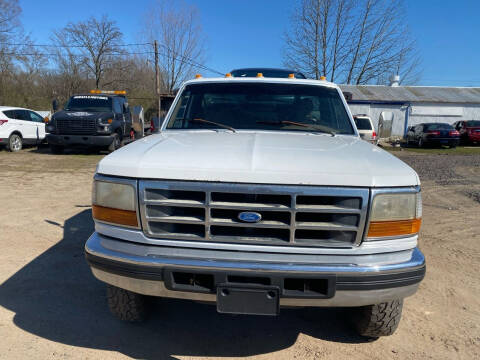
(127, 116)
(117, 110)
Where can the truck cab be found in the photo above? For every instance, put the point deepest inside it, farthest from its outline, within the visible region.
(100, 119)
(258, 193)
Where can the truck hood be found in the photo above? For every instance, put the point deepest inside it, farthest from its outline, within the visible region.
(259, 157)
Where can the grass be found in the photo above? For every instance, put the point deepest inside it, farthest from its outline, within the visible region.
(459, 150)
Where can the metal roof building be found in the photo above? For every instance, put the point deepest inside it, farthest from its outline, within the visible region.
(412, 105)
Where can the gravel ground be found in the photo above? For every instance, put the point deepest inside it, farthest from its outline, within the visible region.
(443, 169)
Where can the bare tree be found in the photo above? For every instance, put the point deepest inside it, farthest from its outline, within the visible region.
(351, 41)
(180, 38)
(97, 42)
(10, 29)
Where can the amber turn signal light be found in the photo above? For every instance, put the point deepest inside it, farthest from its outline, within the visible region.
(394, 228)
(115, 216)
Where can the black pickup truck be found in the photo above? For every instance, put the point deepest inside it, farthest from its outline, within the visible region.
(99, 119)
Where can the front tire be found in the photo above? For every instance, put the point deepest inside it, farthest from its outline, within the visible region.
(126, 305)
(378, 320)
(116, 142)
(15, 143)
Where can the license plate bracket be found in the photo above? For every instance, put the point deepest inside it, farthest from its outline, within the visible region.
(248, 300)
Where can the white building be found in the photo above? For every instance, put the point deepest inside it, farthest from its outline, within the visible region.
(413, 105)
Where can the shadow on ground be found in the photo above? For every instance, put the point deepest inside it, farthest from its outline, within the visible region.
(45, 149)
(56, 297)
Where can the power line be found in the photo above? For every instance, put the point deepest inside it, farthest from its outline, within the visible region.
(178, 57)
(77, 55)
(68, 46)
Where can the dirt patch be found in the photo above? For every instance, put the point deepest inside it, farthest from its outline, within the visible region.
(52, 307)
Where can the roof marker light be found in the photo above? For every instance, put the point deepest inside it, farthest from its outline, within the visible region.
(291, 76)
(116, 92)
(198, 76)
(323, 78)
(259, 75)
(228, 75)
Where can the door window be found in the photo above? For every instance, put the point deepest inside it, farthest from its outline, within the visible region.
(35, 117)
(13, 114)
(117, 108)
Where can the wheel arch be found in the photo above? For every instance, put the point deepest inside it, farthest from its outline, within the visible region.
(16, 132)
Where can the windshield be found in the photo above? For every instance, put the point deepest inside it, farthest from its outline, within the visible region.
(264, 106)
(362, 123)
(438, 127)
(473, 123)
(89, 103)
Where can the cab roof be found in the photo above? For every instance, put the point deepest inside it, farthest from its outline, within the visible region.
(262, 80)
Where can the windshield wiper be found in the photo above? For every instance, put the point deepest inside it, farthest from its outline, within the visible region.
(318, 128)
(214, 123)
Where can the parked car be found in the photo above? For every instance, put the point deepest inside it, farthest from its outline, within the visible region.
(365, 128)
(266, 72)
(258, 194)
(469, 131)
(101, 119)
(433, 134)
(19, 126)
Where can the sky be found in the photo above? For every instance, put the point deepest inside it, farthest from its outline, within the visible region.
(248, 33)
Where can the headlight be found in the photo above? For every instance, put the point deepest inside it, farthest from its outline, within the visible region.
(114, 203)
(105, 121)
(395, 215)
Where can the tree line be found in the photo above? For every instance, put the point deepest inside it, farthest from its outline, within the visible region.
(92, 54)
(348, 41)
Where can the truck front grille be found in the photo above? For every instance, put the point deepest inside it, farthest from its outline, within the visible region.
(290, 215)
(76, 126)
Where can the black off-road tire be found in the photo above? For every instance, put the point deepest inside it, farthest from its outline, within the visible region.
(378, 320)
(56, 149)
(116, 142)
(126, 305)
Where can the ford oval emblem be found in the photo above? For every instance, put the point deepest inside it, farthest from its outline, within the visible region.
(249, 216)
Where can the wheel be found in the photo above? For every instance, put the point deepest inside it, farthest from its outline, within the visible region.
(453, 146)
(379, 320)
(116, 142)
(15, 143)
(126, 305)
(56, 149)
(420, 143)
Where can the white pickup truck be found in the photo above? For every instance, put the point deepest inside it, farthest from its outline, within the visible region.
(258, 193)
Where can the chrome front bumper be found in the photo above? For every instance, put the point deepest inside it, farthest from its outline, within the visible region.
(357, 280)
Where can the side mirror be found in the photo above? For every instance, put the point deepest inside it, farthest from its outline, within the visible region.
(55, 105)
(348, 95)
(125, 107)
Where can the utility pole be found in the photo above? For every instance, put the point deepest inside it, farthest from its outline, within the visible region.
(157, 79)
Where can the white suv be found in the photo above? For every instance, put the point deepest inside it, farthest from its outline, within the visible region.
(20, 126)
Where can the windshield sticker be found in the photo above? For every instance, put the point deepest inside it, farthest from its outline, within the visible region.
(79, 113)
(91, 97)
